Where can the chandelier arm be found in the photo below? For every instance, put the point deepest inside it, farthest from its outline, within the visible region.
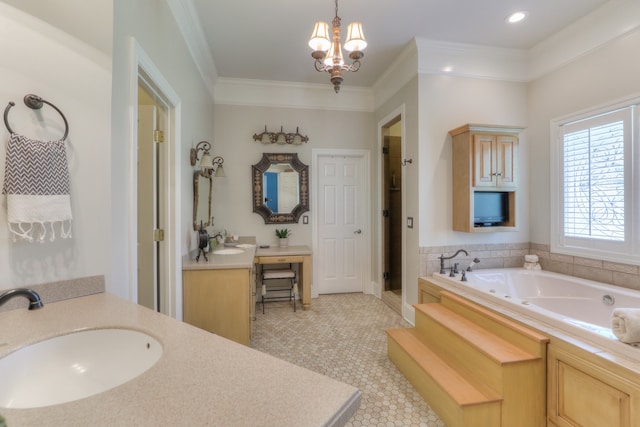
(319, 65)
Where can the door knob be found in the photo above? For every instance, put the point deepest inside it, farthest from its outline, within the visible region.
(358, 231)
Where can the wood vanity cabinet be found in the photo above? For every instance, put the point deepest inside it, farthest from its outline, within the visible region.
(219, 301)
(484, 159)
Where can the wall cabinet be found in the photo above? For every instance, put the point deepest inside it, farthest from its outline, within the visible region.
(484, 159)
(219, 301)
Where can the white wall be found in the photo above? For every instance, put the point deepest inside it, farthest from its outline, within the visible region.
(233, 140)
(154, 28)
(44, 60)
(604, 75)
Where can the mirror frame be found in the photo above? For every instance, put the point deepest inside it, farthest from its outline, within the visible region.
(196, 177)
(303, 188)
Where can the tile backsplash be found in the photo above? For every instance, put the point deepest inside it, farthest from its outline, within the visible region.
(512, 255)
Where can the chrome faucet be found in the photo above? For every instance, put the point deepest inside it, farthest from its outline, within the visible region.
(34, 299)
(443, 258)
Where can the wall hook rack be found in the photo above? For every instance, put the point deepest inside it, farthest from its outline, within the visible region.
(281, 137)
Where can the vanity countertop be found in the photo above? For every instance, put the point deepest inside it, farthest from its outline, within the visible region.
(218, 262)
(201, 378)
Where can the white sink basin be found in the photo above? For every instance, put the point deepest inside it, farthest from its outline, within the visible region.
(230, 251)
(74, 366)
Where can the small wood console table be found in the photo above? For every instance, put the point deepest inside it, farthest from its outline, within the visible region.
(291, 254)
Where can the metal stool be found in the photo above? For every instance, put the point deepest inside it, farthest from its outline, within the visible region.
(280, 274)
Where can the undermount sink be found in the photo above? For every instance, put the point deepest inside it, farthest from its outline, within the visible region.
(74, 366)
(229, 251)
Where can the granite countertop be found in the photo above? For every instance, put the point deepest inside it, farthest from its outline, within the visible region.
(201, 378)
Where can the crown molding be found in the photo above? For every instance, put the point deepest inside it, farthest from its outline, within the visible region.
(402, 69)
(265, 93)
(189, 25)
(468, 60)
(612, 20)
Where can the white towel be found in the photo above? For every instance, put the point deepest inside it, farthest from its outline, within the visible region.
(36, 182)
(625, 324)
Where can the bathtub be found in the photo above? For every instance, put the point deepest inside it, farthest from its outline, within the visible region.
(576, 306)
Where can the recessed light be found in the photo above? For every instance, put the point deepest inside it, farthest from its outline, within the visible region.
(516, 17)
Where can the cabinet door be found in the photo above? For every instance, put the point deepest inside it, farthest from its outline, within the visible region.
(484, 160)
(580, 394)
(506, 147)
(218, 301)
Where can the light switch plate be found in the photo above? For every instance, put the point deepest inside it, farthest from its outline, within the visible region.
(409, 222)
(305, 219)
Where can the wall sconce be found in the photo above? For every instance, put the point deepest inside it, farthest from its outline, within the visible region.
(211, 166)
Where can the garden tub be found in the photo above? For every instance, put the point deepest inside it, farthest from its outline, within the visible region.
(576, 306)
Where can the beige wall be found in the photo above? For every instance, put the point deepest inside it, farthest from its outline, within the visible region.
(45, 60)
(233, 140)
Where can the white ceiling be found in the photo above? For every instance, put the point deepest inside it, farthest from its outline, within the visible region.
(267, 40)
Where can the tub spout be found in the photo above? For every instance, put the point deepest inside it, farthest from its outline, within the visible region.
(443, 258)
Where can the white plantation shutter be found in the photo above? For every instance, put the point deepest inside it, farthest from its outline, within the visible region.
(596, 183)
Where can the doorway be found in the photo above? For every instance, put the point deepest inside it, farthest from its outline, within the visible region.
(392, 207)
(151, 182)
(145, 75)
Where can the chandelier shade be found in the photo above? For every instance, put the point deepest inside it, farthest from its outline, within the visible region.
(355, 38)
(327, 49)
(320, 37)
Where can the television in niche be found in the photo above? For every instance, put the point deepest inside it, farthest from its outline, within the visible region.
(490, 208)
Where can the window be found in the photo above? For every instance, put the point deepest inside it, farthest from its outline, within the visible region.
(593, 184)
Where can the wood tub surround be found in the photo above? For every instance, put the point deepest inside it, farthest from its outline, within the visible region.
(474, 367)
(586, 385)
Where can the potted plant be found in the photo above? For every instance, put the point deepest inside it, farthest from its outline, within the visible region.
(283, 236)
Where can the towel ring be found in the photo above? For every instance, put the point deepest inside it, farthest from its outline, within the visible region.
(35, 103)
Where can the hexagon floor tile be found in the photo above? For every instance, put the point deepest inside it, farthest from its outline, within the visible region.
(342, 336)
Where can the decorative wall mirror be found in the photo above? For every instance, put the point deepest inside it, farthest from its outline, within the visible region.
(202, 193)
(280, 188)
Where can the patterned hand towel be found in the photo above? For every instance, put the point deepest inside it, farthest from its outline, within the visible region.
(36, 182)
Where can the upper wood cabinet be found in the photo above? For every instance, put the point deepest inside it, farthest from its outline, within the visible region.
(494, 160)
(485, 159)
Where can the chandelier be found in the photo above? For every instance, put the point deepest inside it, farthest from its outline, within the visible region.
(328, 51)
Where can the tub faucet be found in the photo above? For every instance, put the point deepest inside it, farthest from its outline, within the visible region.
(474, 262)
(443, 258)
(34, 299)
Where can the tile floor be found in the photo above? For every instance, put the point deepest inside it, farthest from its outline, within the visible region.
(342, 336)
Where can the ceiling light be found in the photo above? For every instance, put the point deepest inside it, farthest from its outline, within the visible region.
(516, 17)
(327, 51)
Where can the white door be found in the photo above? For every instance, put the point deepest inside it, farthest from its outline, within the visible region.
(342, 209)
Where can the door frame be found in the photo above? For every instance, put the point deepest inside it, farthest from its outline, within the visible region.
(365, 155)
(378, 287)
(142, 68)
